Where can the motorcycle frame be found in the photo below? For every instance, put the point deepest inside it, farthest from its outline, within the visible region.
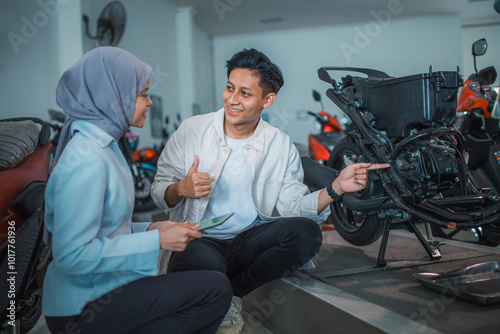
(378, 149)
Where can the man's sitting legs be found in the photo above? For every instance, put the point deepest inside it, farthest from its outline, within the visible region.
(256, 256)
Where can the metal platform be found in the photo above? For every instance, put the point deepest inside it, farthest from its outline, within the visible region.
(345, 294)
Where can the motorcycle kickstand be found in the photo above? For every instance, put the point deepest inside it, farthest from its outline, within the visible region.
(431, 246)
(383, 245)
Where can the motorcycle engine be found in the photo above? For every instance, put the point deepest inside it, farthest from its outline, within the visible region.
(429, 167)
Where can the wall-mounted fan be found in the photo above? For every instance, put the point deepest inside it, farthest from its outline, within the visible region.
(110, 25)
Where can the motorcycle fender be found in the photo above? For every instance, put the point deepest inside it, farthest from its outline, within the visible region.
(353, 202)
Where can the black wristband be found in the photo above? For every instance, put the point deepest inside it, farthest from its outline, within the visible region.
(332, 193)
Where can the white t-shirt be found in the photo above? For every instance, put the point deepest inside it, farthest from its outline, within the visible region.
(232, 193)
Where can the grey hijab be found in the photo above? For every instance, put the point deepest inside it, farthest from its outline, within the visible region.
(101, 88)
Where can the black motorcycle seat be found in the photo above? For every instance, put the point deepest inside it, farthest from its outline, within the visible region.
(17, 141)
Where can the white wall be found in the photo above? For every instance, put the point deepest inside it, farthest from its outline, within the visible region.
(397, 47)
(30, 70)
(29, 59)
(203, 71)
(150, 35)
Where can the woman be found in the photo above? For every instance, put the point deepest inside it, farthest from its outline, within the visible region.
(103, 276)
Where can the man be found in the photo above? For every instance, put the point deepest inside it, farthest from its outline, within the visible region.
(233, 161)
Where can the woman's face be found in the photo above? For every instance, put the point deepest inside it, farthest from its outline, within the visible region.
(142, 103)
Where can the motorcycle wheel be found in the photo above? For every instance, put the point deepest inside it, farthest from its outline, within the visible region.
(143, 200)
(359, 230)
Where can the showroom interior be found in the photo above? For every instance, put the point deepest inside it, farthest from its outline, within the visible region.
(187, 44)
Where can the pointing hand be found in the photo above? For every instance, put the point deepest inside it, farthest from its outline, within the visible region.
(354, 177)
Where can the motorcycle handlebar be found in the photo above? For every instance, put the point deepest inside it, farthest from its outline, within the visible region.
(323, 73)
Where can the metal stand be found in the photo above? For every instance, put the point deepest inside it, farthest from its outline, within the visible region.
(430, 246)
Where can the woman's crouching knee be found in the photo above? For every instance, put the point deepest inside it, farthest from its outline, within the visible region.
(219, 282)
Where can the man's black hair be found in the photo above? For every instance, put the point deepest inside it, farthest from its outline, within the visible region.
(269, 74)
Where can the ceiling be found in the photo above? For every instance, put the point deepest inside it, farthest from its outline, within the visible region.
(226, 17)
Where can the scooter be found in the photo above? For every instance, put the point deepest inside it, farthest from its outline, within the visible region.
(322, 144)
(480, 128)
(25, 152)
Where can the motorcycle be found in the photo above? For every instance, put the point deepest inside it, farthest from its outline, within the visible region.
(24, 169)
(406, 122)
(142, 164)
(321, 145)
(165, 133)
(480, 128)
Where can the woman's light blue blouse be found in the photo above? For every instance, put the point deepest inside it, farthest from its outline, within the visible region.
(88, 209)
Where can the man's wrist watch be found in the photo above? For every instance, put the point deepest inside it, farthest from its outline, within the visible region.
(336, 197)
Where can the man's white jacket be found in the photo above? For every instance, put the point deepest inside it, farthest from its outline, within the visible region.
(274, 161)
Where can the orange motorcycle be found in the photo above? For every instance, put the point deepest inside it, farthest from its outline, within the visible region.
(322, 144)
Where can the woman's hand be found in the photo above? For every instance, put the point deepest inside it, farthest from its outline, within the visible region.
(175, 236)
(160, 224)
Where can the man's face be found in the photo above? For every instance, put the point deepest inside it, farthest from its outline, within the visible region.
(243, 103)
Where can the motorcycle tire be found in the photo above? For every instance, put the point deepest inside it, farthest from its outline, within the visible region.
(143, 200)
(356, 229)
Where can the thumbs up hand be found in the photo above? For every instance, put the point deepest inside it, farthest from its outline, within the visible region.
(196, 184)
